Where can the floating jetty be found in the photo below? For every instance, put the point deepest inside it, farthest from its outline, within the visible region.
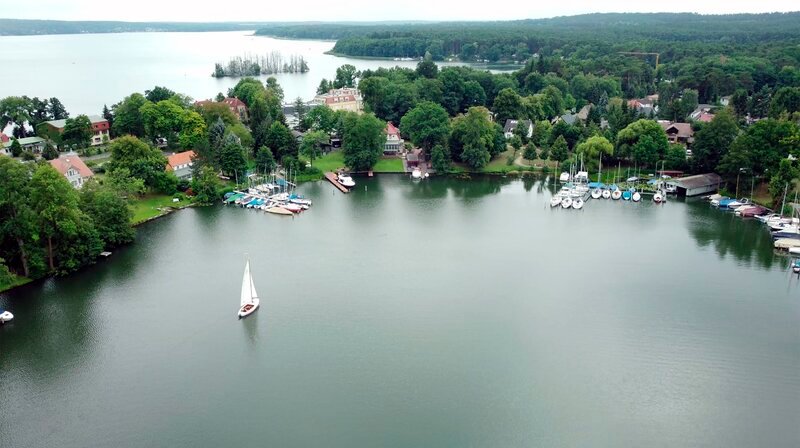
(332, 179)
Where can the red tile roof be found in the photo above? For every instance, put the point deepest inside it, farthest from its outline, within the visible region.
(3, 138)
(62, 165)
(339, 99)
(391, 129)
(234, 102)
(181, 158)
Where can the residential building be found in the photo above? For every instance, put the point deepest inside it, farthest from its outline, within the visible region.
(347, 98)
(702, 113)
(181, 164)
(32, 144)
(73, 168)
(678, 132)
(647, 106)
(511, 125)
(394, 143)
(3, 140)
(100, 128)
(235, 105)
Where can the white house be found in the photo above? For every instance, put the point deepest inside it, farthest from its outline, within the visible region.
(73, 168)
(508, 129)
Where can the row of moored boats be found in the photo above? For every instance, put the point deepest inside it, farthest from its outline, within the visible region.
(263, 197)
(785, 230)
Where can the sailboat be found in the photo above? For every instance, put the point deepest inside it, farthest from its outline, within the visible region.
(249, 299)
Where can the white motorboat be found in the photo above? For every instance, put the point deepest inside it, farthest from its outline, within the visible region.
(657, 198)
(577, 204)
(636, 196)
(294, 208)
(616, 194)
(346, 180)
(564, 177)
(794, 250)
(566, 202)
(555, 201)
(416, 174)
(738, 203)
(596, 193)
(249, 299)
(278, 210)
(606, 194)
(715, 197)
(5, 316)
(787, 243)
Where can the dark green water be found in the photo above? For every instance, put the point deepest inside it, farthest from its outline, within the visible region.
(445, 313)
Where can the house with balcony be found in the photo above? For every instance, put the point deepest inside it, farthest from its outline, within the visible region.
(73, 168)
(394, 143)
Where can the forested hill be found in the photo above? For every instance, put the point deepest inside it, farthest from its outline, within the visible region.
(516, 40)
(17, 27)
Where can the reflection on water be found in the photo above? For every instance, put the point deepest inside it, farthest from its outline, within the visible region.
(466, 310)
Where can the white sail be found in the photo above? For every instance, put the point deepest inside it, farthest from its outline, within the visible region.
(247, 286)
(253, 293)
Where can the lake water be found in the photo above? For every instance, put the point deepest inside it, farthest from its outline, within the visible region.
(86, 71)
(443, 313)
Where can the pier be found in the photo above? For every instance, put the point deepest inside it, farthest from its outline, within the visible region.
(332, 179)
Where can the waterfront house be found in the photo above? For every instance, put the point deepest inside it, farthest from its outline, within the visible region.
(235, 105)
(32, 144)
(181, 164)
(678, 132)
(100, 128)
(347, 98)
(415, 158)
(511, 125)
(696, 185)
(394, 143)
(73, 168)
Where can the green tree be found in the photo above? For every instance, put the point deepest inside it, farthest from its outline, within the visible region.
(427, 125)
(594, 147)
(321, 118)
(206, 185)
(644, 140)
(109, 212)
(16, 110)
(70, 236)
(193, 129)
(127, 116)
(78, 132)
(56, 109)
(19, 221)
(786, 174)
(158, 93)
(162, 119)
(312, 144)
(675, 159)
(324, 87)
(247, 90)
(280, 138)
(15, 148)
(541, 133)
(558, 150)
(760, 102)
(760, 148)
(363, 138)
(265, 160)
(108, 116)
(739, 101)
(50, 152)
(473, 137)
(125, 185)
(140, 159)
(508, 106)
(786, 100)
(345, 76)
(440, 159)
(427, 68)
(713, 141)
(232, 159)
(300, 109)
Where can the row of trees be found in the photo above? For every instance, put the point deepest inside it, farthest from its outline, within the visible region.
(50, 227)
(26, 114)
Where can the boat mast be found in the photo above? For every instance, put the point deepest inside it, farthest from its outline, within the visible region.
(783, 204)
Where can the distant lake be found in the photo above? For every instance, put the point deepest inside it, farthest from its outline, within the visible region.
(86, 71)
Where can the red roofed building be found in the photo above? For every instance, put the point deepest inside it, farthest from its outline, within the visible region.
(73, 168)
(100, 128)
(236, 106)
(181, 164)
(394, 143)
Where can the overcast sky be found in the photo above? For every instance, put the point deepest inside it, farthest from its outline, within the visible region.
(327, 10)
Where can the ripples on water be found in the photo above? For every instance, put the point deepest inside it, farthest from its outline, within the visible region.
(441, 313)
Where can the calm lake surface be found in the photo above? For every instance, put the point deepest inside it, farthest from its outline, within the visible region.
(442, 313)
(86, 71)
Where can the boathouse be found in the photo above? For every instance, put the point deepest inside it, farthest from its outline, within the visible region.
(696, 185)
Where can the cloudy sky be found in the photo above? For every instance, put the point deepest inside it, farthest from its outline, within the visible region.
(327, 10)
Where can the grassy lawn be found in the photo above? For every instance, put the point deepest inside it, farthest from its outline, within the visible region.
(330, 162)
(15, 281)
(499, 164)
(389, 165)
(148, 206)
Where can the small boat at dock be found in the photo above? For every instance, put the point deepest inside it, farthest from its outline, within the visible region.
(787, 243)
(5, 316)
(597, 193)
(606, 193)
(566, 202)
(636, 196)
(345, 180)
(564, 177)
(555, 201)
(577, 204)
(278, 210)
(796, 266)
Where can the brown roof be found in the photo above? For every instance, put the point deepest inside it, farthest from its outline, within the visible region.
(234, 102)
(62, 165)
(181, 158)
(681, 129)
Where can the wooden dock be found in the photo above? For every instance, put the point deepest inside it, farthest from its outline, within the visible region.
(332, 179)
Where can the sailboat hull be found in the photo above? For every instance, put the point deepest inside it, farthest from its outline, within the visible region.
(248, 308)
